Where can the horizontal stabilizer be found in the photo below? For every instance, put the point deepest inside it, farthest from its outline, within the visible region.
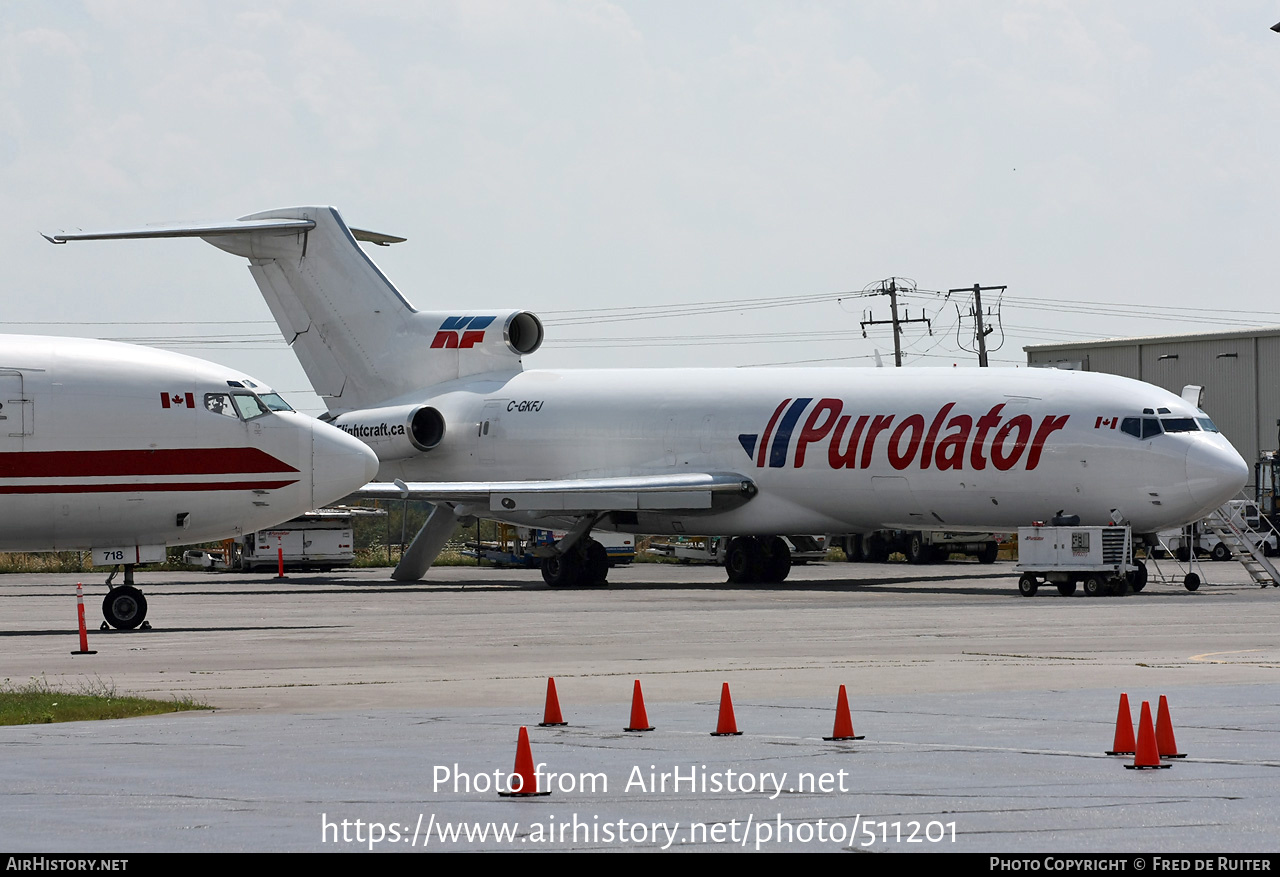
(213, 230)
(686, 491)
(187, 230)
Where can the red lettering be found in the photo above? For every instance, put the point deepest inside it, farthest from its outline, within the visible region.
(951, 449)
(1012, 439)
(878, 425)
(1024, 425)
(445, 339)
(898, 459)
(985, 423)
(471, 339)
(812, 431)
(927, 454)
(1048, 426)
(847, 459)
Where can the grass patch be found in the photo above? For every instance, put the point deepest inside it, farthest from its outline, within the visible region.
(39, 702)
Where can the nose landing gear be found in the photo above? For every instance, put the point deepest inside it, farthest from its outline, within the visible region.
(124, 607)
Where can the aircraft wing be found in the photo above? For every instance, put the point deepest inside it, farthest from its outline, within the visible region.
(689, 490)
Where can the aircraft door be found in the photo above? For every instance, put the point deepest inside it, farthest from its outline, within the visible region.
(17, 412)
(897, 500)
(487, 428)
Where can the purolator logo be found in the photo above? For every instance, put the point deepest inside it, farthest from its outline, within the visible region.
(969, 440)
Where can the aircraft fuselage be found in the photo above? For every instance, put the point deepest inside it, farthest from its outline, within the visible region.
(114, 445)
(836, 450)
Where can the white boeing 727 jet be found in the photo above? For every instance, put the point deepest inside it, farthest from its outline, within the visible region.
(444, 400)
(122, 450)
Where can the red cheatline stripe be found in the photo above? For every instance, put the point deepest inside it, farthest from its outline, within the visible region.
(166, 461)
(169, 487)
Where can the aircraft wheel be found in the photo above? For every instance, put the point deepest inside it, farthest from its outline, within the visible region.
(562, 570)
(874, 549)
(1220, 552)
(988, 553)
(1138, 578)
(917, 551)
(124, 607)
(596, 570)
(1027, 585)
(1066, 589)
(852, 548)
(777, 560)
(1095, 586)
(1191, 582)
(745, 560)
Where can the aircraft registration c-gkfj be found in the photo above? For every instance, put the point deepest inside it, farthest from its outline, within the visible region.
(443, 398)
(122, 450)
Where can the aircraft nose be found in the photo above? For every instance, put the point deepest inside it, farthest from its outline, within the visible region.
(340, 463)
(1215, 472)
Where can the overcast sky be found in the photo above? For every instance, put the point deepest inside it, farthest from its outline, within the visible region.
(559, 156)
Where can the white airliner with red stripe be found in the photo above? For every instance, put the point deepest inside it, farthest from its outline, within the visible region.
(443, 398)
(123, 450)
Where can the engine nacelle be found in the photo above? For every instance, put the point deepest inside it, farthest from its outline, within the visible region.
(502, 333)
(395, 432)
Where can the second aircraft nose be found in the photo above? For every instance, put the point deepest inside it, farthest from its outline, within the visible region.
(340, 463)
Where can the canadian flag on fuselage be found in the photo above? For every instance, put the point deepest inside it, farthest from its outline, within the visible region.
(177, 400)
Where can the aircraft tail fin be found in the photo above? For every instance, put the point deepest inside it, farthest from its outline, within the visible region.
(359, 340)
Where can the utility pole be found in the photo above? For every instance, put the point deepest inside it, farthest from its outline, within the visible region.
(980, 331)
(890, 288)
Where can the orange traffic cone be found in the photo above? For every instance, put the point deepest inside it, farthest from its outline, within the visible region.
(525, 770)
(1146, 758)
(639, 718)
(726, 727)
(551, 717)
(1122, 743)
(84, 634)
(844, 724)
(1167, 746)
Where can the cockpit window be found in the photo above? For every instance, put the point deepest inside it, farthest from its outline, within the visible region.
(274, 402)
(1179, 424)
(1206, 424)
(219, 403)
(249, 405)
(1140, 427)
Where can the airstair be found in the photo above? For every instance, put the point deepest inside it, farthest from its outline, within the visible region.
(1247, 545)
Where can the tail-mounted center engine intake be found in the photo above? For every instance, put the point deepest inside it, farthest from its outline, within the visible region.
(514, 332)
(446, 345)
(396, 432)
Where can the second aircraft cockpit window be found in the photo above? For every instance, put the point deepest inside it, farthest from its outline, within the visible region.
(245, 406)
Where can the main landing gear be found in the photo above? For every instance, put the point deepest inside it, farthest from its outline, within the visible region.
(124, 607)
(758, 560)
(584, 564)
